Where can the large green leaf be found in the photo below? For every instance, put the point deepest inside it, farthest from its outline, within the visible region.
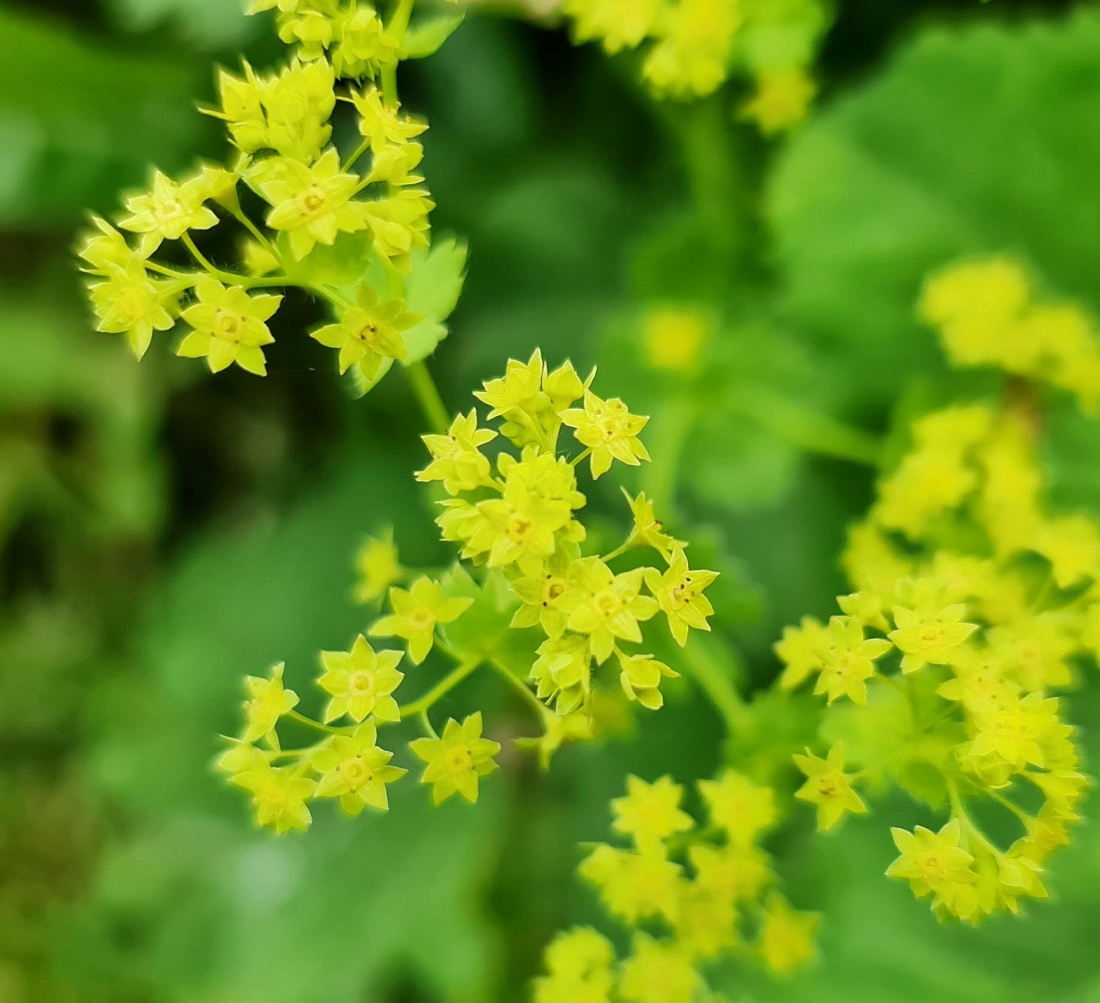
(974, 140)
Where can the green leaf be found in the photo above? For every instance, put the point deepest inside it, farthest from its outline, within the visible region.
(432, 290)
(973, 141)
(425, 38)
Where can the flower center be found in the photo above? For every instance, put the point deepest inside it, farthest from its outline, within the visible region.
(361, 684)
(356, 773)
(458, 760)
(227, 325)
(313, 200)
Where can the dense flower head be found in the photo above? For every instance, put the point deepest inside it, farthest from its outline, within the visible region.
(692, 47)
(694, 894)
(979, 603)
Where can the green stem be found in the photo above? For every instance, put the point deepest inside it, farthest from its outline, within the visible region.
(716, 684)
(316, 725)
(440, 690)
(399, 24)
(814, 432)
(522, 689)
(439, 418)
(261, 238)
(673, 426)
(354, 158)
(232, 278)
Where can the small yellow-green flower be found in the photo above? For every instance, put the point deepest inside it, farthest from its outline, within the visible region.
(457, 459)
(929, 635)
(786, 937)
(650, 813)
(648, 531)
(609, 430)
(457, 760)
(848, 660)
(279, 797)
(802, 651)
(932, 862)
(361, 682)
(541, 590)
(417, 612)
(781, 100)
(369, 332)
(679, 592)
(228, 326)
(658, 972)
(605, 606)
(634, 885)
(828, 787)
(106, 250)
(132, 303)
(640, 677)
(578, 963)
(378, 566)
(356, 771)
(267, 702)
(169, 210)
(312, 204)
(382, 123)
(743, 808)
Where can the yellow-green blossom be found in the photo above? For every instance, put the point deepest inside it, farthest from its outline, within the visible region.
(679, 592)
(417, 612)
(169, 210)
(648, 531)
(848, 660)
(378, 566)
(228, 326)
(279, 797)
(658, 972)
(786, 937)
(578, 964)
(267, 702)
(932, 863)
(743, 808)
(781, 101)
(609, 430)
(313, 204)
(640, 677)
(361, 682)
(650, 813)
(457, 760)
(634, 885)
(605, 606)
(457, 459)
(828, 787)
(369, 333)
(132, 303)
(382, 123)
(355, 770)
(929, 635)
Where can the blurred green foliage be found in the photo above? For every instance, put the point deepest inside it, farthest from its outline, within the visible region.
(162, 535)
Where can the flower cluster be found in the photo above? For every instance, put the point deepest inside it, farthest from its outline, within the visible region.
(987, 314)
(534, 607)
(693, 46)
(702, 893)
(348, 227)
(984, 603)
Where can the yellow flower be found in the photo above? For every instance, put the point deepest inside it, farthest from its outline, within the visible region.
(355, 770)
(457, 760)
(848, 660)
(650, 813)
(616, 24)
(383, 124)
(828, 787)
(399, 224)
(705, 926)
(933, 863)
(735, 873)
(1013, 729)
(416, 614)
(106, 250)
(240, 759)
(609, 430)
(743, 808)
(364, 47)
(640, 677)
(1035, 650)
(679, 593)
(802, 650)
(378, 566)
(541, 591)
(781, 101)
(1072, 545)
(928, 635)
(229, 326)
(169, 210)
(634, 886)
(279, 797)
(563, 670)
(692, 53)
(531, 399)
(866, 607)
(648, 531)
(267, 702)
(457, 459)
(132, 303)
(361, 682)
(675, 338)
(658, 972)
(605, 606)
(312, 204)
(579, 966)
(786, 937)
(369, 332)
